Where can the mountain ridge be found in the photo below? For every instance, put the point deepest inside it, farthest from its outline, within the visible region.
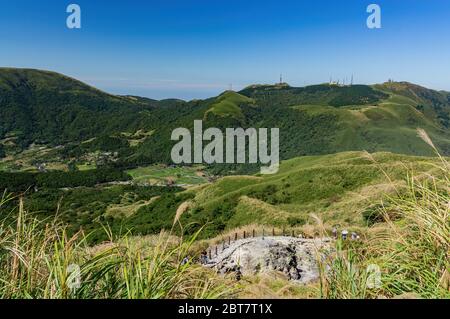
(45, 107)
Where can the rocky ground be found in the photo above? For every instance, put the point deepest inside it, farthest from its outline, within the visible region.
(295, 257)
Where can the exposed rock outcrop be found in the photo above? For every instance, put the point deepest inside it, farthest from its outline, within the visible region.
(295, 257)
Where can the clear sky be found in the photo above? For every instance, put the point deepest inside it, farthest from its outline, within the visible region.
(197, 48)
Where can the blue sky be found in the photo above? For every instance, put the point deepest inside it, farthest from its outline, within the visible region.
(197, 48)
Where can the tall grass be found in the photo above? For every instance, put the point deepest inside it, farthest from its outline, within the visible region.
(39, 260)
(411, 249)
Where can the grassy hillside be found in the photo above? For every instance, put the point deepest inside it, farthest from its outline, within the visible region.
(432, 104)
(157, 174)
(322, 94)
(229, 104)
(375, 119)
(341, 189)
(49, 108)
(53, 110)
(411, 250)
(338, 188)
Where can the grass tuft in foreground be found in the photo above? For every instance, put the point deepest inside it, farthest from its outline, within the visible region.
(409, 255)
(40, 261)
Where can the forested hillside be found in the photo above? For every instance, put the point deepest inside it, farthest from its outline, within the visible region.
(45, 108)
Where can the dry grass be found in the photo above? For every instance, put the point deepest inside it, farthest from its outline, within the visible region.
(275, 285)
(39, 260)
(411, 250)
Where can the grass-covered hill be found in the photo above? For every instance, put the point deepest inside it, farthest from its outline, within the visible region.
(322, 94)
(339, 188)
(326, 119)
(48, 108)
(412, 249)
(229, 106)
(344, 189)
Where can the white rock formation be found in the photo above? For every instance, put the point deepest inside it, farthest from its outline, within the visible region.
(295, 257)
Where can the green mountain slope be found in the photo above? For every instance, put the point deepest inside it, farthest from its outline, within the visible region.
(229, 105)
(329, 119)
(338, 188)
(48, 108)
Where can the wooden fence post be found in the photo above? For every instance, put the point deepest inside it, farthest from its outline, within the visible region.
(209, 254)
(263, 234)
(253, 233)
(235, 236)
(273, 232)
(229, 240)
(245, 235)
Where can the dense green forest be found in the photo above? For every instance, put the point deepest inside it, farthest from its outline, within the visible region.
(22, 181)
